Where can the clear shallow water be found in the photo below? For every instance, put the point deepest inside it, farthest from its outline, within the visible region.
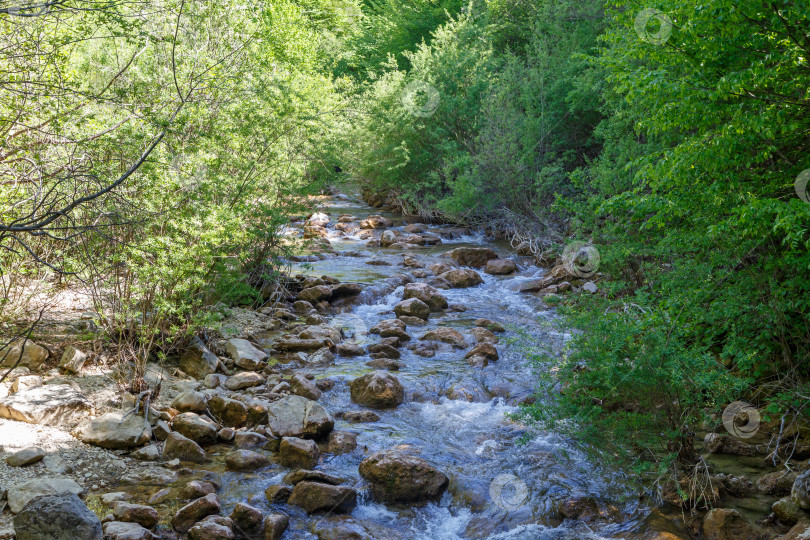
(473, 442)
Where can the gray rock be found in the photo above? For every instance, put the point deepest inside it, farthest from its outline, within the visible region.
(229, 412)
(179, 447)
(195, 427)
(26, 456)
(73, 359)
(195, 511)
(298, 453)
(20, 494)
(247, 439)
(296, 416)
(190, 401)
(399, 477)
(412, 307)
(800, 493)
(301, 386)
(378, 389)
(51, 404)
(26, 382)
(120, 530)
(208, 529)
(111, 430)
(245, 354)
(57, 517)
(147, 453)
(198, 361)
(590, 287)
(246, 460)
(145, 516)
(247, 519)
(314, 497)
(246, 379)
(275, 525)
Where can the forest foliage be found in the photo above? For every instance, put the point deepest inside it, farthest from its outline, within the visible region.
(673, 137)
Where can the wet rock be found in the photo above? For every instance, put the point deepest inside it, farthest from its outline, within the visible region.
(318, 219)
(195, 511)
(800, 493)
(482, 335)
(382, 350)
(788, 511)
(51, 404)
(500, 267)
(248, 439)
(112, 430)
(490, 325)
(776, 483)
(315, 497)
(388, 237)
(385, 363)
(341, 442)
(190, 401)
(427, 294)
(179, 447)
(378, 390)
(27, 352)
(26, 456)
(360, 416)
(298, 345)
(136, 513)
(247, 519)
(275, 525)
(229, 412)
(388, 328)
(460, 279)
(334, 529)
(800, 531)
(196, 489)
(413, 307)
(72, 359)
(579, 508)
(57, 517)
(301, 475)
(475, 257)
(321, 357)
(246, 460)
(445, 334)
(210, 529)
(315, 294)
(324, 385)
(20, 494)
(399, 477)
(376, 221)
(301, 386)
(246, 379)
(245, 354)
(197, 360)
(350, 350)
(195, 427)
(296, 416)
(160, 496)
(298, 453)
(483, 351)
(724, 444)
(278, 493)
(724, 524)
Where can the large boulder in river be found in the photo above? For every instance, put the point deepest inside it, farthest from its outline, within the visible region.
(296, 416)
(378, 389)
(57, 517)
(413, 307)
(461, 278)
(427, 294)
(51, 404)
(112, 430)
(318, 219)
(376, 221)
(399, 477)
(445, 335)
(800, 493)
(500, 267)
(475, 257)
(20, 494)
(245, 354)
(27, 352)
(315, 496)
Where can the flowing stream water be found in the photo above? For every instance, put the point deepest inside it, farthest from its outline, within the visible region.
(470, 438)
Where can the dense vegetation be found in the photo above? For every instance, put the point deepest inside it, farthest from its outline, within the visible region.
(671, 144)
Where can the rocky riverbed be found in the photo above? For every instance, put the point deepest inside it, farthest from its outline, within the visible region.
(368, 398)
